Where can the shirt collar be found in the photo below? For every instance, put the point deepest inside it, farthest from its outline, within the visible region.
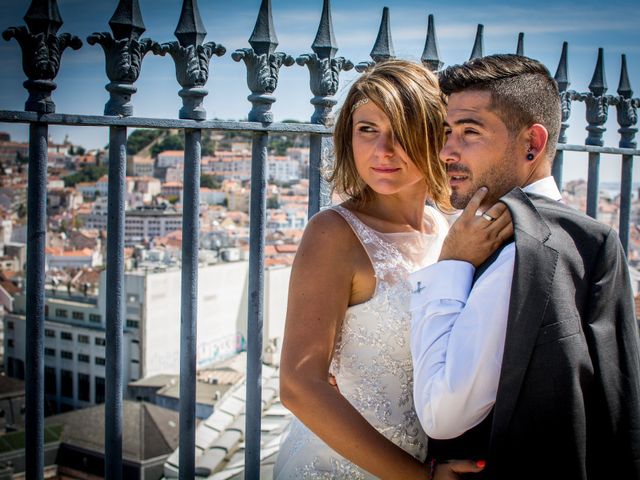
(546, 187)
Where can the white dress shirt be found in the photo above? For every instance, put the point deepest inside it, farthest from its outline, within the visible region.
(457, 337)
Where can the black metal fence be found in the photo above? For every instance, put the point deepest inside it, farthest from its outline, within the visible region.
(124, 51)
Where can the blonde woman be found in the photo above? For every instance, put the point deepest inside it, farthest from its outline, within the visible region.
(348, 309)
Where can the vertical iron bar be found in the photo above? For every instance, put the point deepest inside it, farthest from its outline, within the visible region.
(625, 200)
(115, 295)
(593, 184)
(256, 305)
(319, 157)
(189, 307)
(556, 169)
(315, 174)
(36, 238)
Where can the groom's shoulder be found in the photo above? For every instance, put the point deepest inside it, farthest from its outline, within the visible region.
(572, 229)
(563, 215)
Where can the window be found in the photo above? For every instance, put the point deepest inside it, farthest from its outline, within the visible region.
(49, 333)
(9, 325)
(66, 336)
(50, 352)
(50, 381)
(83, 339)
(84, 387)
(100, 342)
(61, 312)
(77, 315)
(100, 361)
(99, 381)
(84, 358)
(66, 383)
(95, 318)
(66, 354)
(132, 323)
(10, 343)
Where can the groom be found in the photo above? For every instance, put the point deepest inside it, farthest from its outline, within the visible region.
(528, 360)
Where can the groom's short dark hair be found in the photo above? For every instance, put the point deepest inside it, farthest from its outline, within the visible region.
(523, 92)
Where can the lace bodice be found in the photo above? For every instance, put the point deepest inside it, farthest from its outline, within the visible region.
(372, 358)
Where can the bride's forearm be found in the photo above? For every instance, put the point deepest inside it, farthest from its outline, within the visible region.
(330, 416)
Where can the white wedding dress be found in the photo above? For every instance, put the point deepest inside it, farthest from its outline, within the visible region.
(372, 359)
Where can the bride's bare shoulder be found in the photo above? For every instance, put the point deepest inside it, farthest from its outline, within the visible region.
(328, 232)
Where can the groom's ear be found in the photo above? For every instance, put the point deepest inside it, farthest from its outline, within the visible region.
(537, 136)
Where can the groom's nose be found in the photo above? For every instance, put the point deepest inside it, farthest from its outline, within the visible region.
(449, 153)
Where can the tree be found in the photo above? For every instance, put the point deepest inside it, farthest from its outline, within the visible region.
(141, 138)
(272, 203)
(89, 173)
(170, 142)
(211, 181)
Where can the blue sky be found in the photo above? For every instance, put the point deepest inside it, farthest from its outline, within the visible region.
(586, 25)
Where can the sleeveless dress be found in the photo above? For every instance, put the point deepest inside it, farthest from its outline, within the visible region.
(372, 357)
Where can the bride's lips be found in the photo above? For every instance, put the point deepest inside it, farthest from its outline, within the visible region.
(384, 169)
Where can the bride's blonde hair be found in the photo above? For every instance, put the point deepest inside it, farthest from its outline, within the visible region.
(409, 95)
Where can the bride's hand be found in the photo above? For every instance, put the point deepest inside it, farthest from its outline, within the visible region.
(453, 469)
(473, 238)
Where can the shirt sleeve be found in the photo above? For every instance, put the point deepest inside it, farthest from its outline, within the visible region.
(457, 342)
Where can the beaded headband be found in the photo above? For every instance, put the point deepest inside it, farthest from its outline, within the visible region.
(359, 103)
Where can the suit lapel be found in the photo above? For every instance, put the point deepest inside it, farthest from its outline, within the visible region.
(535, 265)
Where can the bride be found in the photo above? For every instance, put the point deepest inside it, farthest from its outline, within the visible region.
(348, 310)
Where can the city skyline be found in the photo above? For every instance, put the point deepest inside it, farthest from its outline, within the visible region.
(546, 25)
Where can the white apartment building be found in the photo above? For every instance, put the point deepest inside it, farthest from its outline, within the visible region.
(75, 333)
(170, 158)
(145, 224)
(97, 219)
(283, 169)
(300, 155)
(230, 165)
(60, 259)
(142, 166)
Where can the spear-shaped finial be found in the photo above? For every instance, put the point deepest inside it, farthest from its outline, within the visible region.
(431, 54)
(383, 48)
(42, 50)
(190, 29)
(263, 40)
(627, 109)
(624, 86)
(478, 45)
(126, 21)
(562, 73)
(325, 45)
(124, 52)
(598, 85)
(597, 104)
(520, 47)
(263, 65)
(43, 16)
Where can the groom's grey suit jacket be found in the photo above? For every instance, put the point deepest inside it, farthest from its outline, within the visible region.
(568, 400)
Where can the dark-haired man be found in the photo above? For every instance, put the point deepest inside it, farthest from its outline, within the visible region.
(529, 359)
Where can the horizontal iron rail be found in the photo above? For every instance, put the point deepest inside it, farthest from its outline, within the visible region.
(9, 116)
(595, 149)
